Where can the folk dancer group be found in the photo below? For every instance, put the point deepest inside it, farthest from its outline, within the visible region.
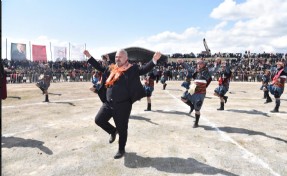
(120, 87)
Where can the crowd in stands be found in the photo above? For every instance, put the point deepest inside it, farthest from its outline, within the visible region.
(245, 67)
(247, 54)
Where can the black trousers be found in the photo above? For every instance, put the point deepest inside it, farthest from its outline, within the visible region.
(120, 113)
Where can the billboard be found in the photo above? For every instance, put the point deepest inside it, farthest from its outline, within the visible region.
(76, 52)
(60, 54)
(39, 53)
(18, 51)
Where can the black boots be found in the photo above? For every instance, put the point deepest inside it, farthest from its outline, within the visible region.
(225, 98)
(43, 91)
(164, 86)
(221, 106)
(46, 98)
(148, 107)
(268, 99)
(222, 103)
(196, 121)
(190, 105)
(276, 109)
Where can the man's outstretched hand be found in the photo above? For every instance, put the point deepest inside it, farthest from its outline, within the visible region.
(156, 56)
(87, 54)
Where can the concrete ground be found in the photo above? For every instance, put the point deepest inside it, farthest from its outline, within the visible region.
(60, 138)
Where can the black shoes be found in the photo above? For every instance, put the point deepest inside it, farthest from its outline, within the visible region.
(274, 110)
(195, 125)
(113, 137)
(220, 109)
(119, 154)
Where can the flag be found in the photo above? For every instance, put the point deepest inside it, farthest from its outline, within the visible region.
(39, 53)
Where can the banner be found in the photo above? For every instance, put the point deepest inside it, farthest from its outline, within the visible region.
(18, 51)
(76, 52)
(39, 53)
(60, 54)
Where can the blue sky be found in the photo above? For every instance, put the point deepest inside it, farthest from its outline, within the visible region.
(168, 26)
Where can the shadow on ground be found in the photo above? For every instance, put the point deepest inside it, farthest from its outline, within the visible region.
(142, 118)
(55, 94)
(241, 131)
(69, 103)
(253, 111)
(10, 142)
(19, 98)
(172, 112)
(172, 165)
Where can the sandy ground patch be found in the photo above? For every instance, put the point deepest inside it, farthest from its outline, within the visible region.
(60, 138)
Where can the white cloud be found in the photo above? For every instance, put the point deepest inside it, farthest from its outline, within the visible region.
(171, 42)
(221, 25)
(280, 42)
(258, 25)
(255, 25)
(230, 10)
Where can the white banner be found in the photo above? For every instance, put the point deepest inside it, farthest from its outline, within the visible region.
(76, 52)
(60, 53)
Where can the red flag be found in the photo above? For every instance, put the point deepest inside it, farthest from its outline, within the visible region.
(39, 53)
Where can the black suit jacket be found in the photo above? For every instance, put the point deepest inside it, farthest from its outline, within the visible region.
(128, 87)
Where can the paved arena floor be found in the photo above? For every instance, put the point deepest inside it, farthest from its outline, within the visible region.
(60, 138)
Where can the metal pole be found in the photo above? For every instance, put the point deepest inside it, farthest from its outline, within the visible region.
(85, 49)
(69, 51)
(51, 56)
(51, 50)
(30, 50)
(6, 48)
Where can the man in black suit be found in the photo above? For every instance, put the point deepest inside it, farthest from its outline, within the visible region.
(19, 54)
(123, 88)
